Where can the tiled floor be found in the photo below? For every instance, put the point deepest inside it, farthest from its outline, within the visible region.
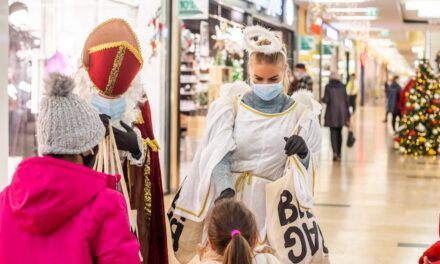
(375, 206)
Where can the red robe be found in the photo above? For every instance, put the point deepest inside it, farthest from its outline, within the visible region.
(147, 196)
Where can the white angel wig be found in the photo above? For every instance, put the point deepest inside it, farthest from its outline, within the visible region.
(263, 45)
(133, 96)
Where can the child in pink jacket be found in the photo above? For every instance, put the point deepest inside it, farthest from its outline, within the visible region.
(57, 209)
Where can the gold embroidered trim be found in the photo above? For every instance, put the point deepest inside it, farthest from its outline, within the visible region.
(153, 144)
(147, 187)
(117, 44)
(205, 202)
(140, 120)
(115, 71)
(269, 115)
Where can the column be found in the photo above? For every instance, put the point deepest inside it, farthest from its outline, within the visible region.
(4, 122)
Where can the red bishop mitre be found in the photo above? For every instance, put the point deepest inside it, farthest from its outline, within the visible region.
(112, 57)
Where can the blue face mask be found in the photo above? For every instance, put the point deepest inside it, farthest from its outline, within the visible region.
(114, 108)
(268, 91)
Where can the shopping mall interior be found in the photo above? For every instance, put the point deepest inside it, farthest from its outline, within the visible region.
(376, 200)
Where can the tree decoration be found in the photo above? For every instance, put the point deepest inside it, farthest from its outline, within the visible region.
(419, 134)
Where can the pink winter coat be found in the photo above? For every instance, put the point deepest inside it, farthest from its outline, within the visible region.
(56, 211)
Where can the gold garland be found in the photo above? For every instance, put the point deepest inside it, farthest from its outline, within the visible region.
(147, 186)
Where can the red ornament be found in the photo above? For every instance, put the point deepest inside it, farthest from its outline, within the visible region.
(411, 107)
(434, 122)
(412, 133)
(154, 22)
(430, 110)
(160, 27)
(397, 139)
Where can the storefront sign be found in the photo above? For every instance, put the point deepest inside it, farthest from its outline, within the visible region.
(331, 33)
(193, 9)
(271, 7)
(307, 43)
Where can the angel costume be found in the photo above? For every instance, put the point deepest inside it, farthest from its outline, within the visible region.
(243, 148)
(111, 61)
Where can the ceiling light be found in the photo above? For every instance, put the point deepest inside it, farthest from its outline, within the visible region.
(357, 17)
(429, 12)
(338, 1)
(368, 10)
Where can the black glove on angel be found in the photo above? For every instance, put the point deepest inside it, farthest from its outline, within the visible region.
(296, 145)
(127, 141)
(226, 194)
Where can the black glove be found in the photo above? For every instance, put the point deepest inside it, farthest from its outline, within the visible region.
(296, 145)
(127, 141)
(105, 119)
(226, 194)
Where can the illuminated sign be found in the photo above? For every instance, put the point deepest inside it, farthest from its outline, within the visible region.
(270, 7)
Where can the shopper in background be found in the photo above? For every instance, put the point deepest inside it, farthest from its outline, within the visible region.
(337, 114)
(232, 236)
(57, 209)
(352, 91)
(293, 87)
(304, 80)
(393, 100)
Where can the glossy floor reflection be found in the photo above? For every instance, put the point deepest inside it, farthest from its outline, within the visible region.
(375, 206)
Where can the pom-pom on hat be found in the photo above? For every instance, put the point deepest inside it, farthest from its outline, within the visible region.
(66, 124)
(112, 57)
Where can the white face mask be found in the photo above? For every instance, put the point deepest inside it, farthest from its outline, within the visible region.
(298, 75)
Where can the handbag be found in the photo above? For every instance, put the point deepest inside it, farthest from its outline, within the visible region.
(292, 229)
(185, 234)
(350, 139)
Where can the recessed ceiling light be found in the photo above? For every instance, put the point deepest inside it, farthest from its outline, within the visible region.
(338, 1)
(357, 17)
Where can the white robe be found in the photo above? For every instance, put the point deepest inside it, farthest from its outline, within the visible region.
(257, 143)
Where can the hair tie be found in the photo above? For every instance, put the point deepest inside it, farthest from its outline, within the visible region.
(235, 232)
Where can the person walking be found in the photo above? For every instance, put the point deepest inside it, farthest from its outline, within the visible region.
(304, 80)
(352, 91)
(393, 101)
(57, 209)
(337, 114)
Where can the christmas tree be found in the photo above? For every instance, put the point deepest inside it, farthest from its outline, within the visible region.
(419, 131)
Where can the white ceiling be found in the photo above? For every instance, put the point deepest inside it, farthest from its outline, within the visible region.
(392, 16)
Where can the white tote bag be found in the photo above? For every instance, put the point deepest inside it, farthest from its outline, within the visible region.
(109, 162)
(292, 229)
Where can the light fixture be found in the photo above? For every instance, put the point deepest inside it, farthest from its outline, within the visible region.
(338, 1)
(368, 10)
(356, 17)
(429, 12)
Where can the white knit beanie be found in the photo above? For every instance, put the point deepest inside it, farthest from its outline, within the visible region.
(66, 123)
